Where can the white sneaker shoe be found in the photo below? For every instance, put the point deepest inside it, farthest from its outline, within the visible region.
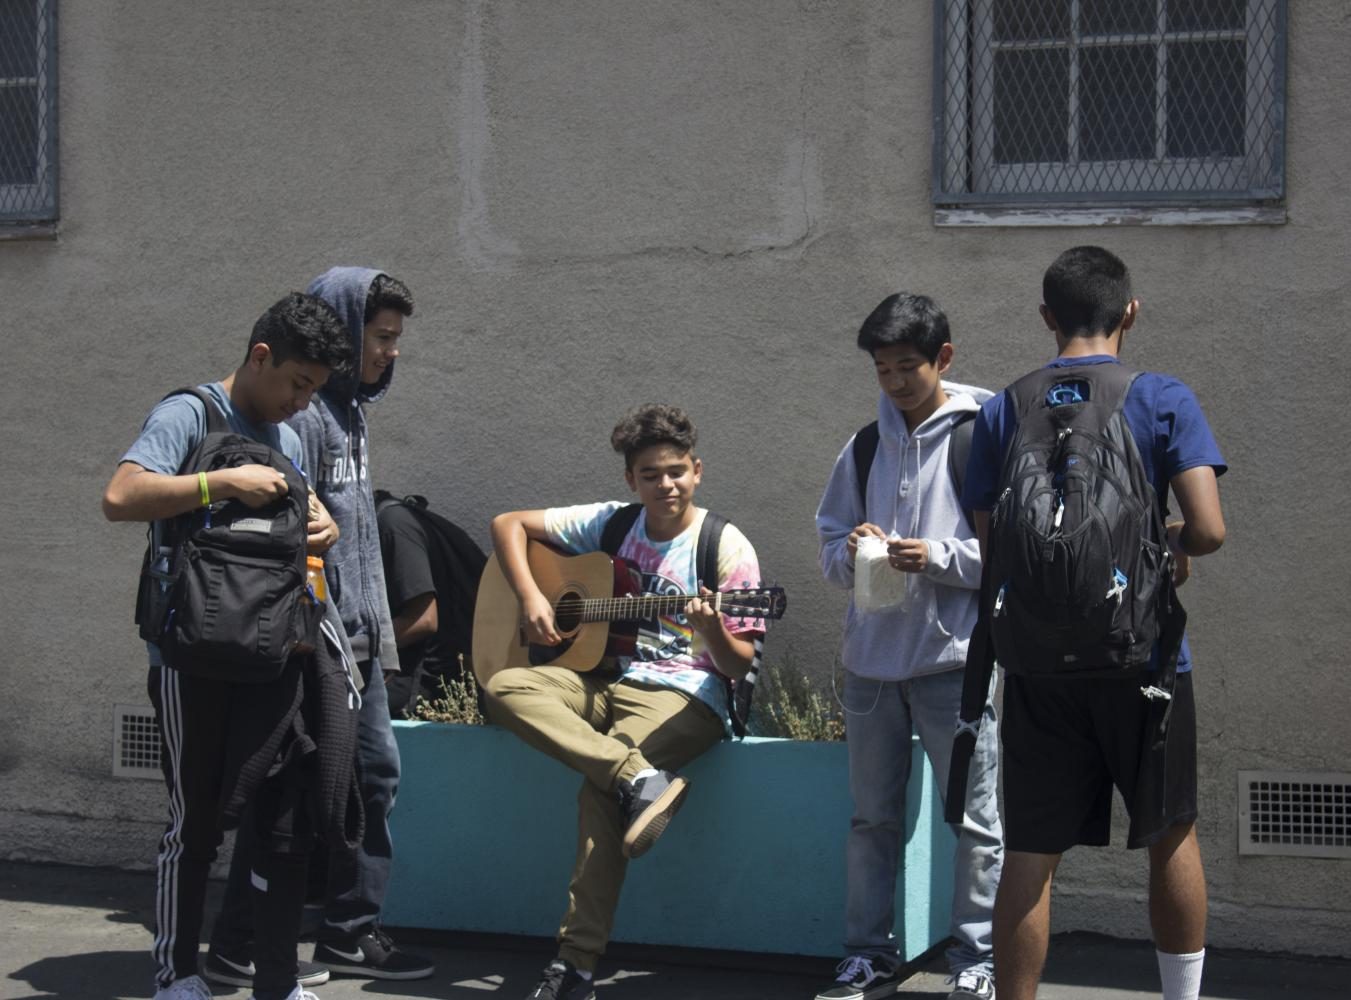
(189, 988)
(971, 984)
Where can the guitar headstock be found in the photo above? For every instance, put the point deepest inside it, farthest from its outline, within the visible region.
(761, 602)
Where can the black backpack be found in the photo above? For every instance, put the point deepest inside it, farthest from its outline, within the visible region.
(739, 693)
(1077, 579)
(1079, 571)
(959, 450)
(223, 594)
(457, 564)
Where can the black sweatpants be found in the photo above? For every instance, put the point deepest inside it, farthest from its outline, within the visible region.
(208, 730)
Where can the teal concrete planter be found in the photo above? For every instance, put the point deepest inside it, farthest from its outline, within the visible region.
(485, 832)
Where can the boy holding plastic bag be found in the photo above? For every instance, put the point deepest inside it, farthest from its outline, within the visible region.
(892, 531)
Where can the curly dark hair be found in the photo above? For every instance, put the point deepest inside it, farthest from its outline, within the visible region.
(653, 424)
(387, 293)
(304, 328)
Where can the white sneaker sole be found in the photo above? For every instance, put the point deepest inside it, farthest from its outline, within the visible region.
(652, 821)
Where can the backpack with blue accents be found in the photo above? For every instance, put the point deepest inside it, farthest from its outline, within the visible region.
(1078, 578)
(1078, 571)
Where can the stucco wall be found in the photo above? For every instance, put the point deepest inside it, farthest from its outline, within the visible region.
(599, 204)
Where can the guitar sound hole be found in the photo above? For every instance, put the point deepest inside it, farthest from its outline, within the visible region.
(568, 613)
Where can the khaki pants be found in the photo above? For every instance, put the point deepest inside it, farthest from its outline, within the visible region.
(607, 730)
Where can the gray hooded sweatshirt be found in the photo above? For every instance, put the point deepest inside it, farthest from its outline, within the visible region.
(333, 433)
(910, 492)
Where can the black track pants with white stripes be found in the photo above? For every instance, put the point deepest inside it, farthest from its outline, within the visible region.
(207, 729)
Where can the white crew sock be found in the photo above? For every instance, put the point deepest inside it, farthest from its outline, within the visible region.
(646, 772)
(1181, 974)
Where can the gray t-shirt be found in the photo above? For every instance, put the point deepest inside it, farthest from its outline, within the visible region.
(177, 425)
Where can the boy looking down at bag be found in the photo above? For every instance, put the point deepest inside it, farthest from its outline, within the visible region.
(212, 729)
(896, 482)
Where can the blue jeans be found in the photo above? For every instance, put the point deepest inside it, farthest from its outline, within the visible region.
(357, 881)
(881, 717)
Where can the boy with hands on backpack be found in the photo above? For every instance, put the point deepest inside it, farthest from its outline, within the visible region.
(213, 729)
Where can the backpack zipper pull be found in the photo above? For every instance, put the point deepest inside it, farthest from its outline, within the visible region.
(1059, 509)
(999, 601)
(1118, 588)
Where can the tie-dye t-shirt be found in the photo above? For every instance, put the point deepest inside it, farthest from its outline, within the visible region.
(669, 652)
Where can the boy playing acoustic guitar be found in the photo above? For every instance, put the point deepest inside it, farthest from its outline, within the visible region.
(626, 728)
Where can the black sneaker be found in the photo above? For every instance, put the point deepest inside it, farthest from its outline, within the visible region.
(648, 804)
(371, 954)
(856, 979)
(561, 981)
(237, 970)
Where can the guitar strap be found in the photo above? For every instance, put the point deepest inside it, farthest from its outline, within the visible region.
(706, 561)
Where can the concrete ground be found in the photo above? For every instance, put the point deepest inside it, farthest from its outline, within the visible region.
(84, 933)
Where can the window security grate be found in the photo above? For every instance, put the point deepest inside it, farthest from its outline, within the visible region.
(1091, 102)
(28, 157)
(136, 744)
(1294, 813)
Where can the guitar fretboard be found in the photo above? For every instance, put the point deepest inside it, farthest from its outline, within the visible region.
(643, 606)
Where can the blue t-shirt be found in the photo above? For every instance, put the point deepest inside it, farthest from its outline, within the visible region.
(177, 425)
(1162, 413)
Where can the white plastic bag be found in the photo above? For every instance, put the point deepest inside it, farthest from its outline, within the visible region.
(877, 584)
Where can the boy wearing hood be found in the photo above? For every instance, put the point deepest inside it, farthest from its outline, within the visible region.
(334, 439)
(373, 306)
(904, 664)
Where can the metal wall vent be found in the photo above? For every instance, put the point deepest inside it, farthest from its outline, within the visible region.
(136, 748)
(1304, 814)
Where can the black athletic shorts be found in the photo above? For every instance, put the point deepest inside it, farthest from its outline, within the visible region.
(1067, 742)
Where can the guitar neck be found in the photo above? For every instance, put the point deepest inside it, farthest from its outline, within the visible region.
(638, 607)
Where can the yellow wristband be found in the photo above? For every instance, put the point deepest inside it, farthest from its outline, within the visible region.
(202, 490)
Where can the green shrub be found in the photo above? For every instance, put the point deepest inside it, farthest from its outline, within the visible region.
(459, 702)
(790, 705)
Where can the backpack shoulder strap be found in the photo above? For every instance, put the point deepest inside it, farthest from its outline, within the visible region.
(617, 528)
(865, 450)
(959, 452)
(739, 693)
(215, 419)
(706, 551)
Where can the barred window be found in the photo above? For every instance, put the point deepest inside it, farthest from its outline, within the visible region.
(27, 111)
(1086, 103)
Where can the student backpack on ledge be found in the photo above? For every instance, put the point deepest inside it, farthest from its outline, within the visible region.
(739, 693)
(223, 592)
(457, 564)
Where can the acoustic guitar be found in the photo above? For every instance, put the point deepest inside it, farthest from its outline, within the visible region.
(596, 611)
